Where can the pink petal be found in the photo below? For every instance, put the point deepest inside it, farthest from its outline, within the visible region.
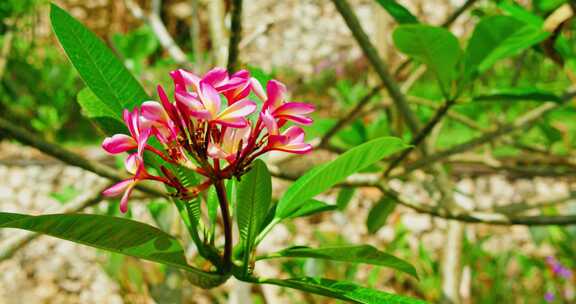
(124, 200)
(168, 106)
(295, 111)
(185, 78)
(239, 109)
(191, 105)
(142, 139)
(241, 74)
(269, 122)
(276, 92)
(215, 76)
(210, 98)
(119, 143)
(131, 163)
(117, 188)
(154, 111)
(257, 89)
(294, 134)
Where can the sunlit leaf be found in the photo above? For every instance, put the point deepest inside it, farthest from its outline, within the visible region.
(100, 69)
(401, 14)
(434, 46)
(519, 94)
(353, 254)
(254, 195)
(113, 234)
(498, 37)
(312, 206)
(327, 175)
(342, 290)
(379, 214)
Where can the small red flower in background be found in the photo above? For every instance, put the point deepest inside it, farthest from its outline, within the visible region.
(199, 130)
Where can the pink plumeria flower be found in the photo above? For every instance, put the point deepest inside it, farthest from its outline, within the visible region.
(135, 166)
(138, 138)
(230, 145)
(156, 117)
(234, 88)
(275, 102)
(207, 105)
(290, 140)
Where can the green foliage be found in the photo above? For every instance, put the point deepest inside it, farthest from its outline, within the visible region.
(434, 46)
(378, 215)
(519, 94)
(325, 176)
(401, 14)
(353, 254)
(102, 72)
(253, 201)
(342, 290)
(344, 197)
(113, 234)
(498, 37)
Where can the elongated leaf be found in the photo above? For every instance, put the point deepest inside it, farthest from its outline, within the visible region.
(113, 234)
(342, 290)
(498, 37)
(106, 118)
(401, 14)
(344, 197)
(519, 94)
(310, 207)
(379, 214)
(100, 69)
(325, 176)
(353, 254)
(434, 46)
(253, 201)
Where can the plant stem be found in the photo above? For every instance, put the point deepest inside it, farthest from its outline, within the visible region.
(226, 218)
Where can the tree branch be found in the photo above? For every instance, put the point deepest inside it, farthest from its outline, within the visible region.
(159, 29)
(379, 65)
(235, 35)
(417, 140)
(522, 122)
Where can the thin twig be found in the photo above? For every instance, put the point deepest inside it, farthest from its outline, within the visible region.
(27, 138)
(524, 121)
(378, 63)
(349, 117)
(417, 140)
(159, 29)
(235, 35)
(482, 217)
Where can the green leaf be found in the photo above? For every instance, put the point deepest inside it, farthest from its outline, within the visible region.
(342, 290)
(379, 214)
(113, 234)
(254, 195)
(519, 94)
(310, 207)
(106, 118)
(344, 197)
(401, 14)
(327, 175)
(353, 254)
(100, 69)
(434, 46)
(498, 37)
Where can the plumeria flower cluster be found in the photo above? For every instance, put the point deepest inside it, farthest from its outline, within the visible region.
(207, 128)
